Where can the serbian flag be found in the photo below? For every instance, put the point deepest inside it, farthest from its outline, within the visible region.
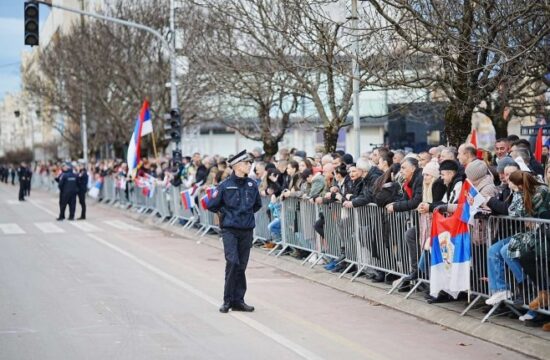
(210, 193)
(187, 199)
(538, 146)
(450, 250)
(143, 127)
(473, 206)
(473, 141)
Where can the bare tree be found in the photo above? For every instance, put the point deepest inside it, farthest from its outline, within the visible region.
(112, 69)
(468, 51)
(298, 38)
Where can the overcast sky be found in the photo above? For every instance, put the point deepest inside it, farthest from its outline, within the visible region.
(11, 43)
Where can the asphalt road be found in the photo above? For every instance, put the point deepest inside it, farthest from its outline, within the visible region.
(113, 288)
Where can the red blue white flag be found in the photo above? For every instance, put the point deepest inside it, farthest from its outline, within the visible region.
(143, 127)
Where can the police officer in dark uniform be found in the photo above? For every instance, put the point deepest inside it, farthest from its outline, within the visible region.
(82, 183)
(23, 175)
(236, 200)
(68, 188)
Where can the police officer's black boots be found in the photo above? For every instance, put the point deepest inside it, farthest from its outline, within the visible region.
(242, 307)
(225, 308)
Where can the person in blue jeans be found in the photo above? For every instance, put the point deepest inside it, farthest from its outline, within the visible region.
(529, 199)
(275, 224)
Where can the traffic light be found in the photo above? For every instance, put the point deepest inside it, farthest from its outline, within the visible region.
(173, 125)
(31, 23)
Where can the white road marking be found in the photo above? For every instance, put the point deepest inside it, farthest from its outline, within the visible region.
(85, 226)
(49, 228)
(11, 229)
(289, 344)
(45, 209)
(121, 225)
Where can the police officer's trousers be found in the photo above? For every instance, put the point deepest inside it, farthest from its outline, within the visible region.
(82, 201)
(64, 200)
(236, 245)
(21, 190)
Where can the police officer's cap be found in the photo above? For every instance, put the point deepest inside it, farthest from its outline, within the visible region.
(242, 156)
(68, 164)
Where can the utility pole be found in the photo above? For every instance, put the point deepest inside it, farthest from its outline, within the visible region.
(356, 79)
(83, 120)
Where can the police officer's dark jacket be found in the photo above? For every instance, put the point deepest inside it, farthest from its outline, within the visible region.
(68, 182)
(236, 200)
(82, 182)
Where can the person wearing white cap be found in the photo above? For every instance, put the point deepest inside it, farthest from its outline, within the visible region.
(236, 200)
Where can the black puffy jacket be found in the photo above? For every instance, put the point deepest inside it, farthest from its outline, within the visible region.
(406, 203)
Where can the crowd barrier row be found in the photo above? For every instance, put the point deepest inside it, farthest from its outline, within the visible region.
(365, 239)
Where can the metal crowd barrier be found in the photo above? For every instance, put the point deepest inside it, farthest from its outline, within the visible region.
(262, 219)
(178, 211)
(297, 220)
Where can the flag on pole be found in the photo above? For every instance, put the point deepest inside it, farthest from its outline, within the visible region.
(143, 127)
(538, 146)
(473, 141)
(451, 252)
(187, 199)
(209, 194)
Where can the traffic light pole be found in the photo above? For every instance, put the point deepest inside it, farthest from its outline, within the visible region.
(171, 50)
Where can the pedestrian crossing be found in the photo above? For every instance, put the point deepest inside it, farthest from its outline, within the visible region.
(55, 227)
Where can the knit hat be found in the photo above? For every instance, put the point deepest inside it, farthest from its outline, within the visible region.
(431, 168)
(505, 161)
(448, 165)
(476, 170)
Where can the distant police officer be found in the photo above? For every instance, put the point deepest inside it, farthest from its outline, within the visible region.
(236, 200)
(82, 183)
(23, 174)
(68, 188)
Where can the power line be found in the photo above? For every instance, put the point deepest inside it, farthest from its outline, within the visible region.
(10, 64)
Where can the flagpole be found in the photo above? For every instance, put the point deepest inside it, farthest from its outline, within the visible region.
(154, 145)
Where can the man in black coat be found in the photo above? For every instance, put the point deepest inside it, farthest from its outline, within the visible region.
(24, 178)
(82, 182)
(68, 189)
(412, 197)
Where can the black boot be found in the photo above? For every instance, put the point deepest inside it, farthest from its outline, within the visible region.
(225, 308)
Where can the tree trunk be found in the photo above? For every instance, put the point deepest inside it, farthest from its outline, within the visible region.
(331, 137)
(458, 123)
(271, 147)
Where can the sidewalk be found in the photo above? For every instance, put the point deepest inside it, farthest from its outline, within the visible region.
(501, 330)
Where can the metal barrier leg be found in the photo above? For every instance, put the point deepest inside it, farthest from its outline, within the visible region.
(274, 249)
(282, 250)
(307, 258)
(396, 285)
(359, 271)
(346, 270)
(472, 304)
(418, 283)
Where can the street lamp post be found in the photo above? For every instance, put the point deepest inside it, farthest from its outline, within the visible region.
(356, 80)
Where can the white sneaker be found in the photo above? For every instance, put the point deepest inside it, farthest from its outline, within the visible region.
(498, 297)
(313, 258)
(528, 316)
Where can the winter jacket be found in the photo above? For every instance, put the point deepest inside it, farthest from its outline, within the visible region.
(367, 193)
(406, 203)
